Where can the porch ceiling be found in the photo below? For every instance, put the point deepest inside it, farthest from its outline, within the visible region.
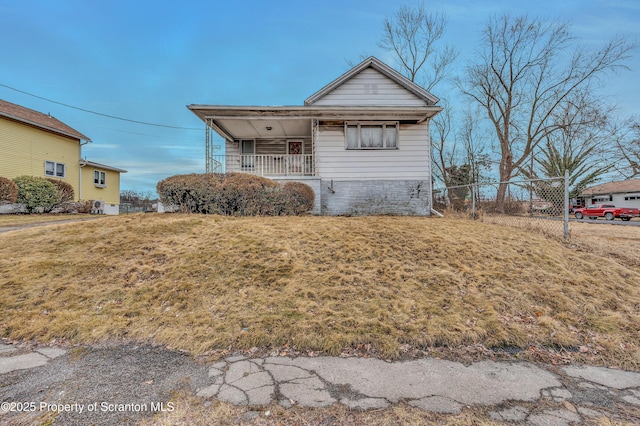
(265, 128)
(249, 122)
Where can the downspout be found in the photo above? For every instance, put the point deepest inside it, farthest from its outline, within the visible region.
(80, 179)
(80, 174)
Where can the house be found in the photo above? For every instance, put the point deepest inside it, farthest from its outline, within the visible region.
(37, 144)
(102, 184)
(361, 142)
(624, 193)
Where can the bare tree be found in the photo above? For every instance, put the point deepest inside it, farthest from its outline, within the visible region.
(414, 36)
(443, 145)
(526, 72)
(628, 148)
(582, 145)
(474, 148)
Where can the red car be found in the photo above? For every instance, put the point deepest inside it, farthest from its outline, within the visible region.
(608, 211)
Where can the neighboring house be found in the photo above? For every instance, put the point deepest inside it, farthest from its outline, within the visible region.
(361, 142)
(37, 144)
(102, 183)
(624, 193)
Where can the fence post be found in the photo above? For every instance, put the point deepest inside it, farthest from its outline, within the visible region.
(473, 201)
(566, 204)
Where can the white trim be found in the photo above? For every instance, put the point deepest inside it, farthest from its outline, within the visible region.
(84, 163)
(79, 136)
(383, 124)
(55, 169)
(102, 179)
(384, 69)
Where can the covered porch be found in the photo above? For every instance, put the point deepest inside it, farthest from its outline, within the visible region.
(271, 142)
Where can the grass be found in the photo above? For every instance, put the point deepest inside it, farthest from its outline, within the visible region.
(10, 220)
(386, 286)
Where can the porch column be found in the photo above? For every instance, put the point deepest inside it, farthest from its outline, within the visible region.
(314, 131)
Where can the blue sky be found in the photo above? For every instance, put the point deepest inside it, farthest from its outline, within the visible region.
(146, 60)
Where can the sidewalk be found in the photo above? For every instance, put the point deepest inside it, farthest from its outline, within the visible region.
(131, 376)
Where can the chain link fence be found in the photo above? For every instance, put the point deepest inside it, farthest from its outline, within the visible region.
(541, 205)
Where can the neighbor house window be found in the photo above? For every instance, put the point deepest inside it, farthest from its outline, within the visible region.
(51, 168)
(367, 135)
(100, 178)
(602, 198)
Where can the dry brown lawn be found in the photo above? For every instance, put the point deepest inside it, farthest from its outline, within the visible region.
(383, 286)
(10, 220)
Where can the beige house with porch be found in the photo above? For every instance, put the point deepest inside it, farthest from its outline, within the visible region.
(361, 142)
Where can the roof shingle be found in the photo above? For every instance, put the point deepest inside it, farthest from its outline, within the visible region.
(632, 185)
(38, 119)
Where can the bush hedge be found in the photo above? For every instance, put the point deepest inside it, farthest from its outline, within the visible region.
(8, 190)
(235, 194)
(299, 198)
(36, 193)
(64, 189)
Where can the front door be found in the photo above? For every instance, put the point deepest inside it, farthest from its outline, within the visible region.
(295, 157)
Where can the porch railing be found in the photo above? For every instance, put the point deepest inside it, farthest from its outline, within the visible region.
(265, 165)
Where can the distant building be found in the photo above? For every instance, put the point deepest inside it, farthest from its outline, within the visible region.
(37, 144)
(624, 193)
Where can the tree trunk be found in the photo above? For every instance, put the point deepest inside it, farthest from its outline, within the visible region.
(506, 169)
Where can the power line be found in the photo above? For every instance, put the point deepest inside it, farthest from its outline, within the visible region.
(99, 113)
(76, 124)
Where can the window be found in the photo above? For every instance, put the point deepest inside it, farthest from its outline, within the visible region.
(51, 168)
(371, 135)
(602, 198)
(248, 147)
(99, 178)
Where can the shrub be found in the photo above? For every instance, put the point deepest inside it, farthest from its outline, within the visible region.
(8, 190)
(36, 193)
(235, 194)
(245, 195)
(193, 193)
(64, 189)
(299, 197)
(73, 207)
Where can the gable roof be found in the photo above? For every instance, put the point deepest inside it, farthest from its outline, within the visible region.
(381, 67)
(632, 185)
(39, 120)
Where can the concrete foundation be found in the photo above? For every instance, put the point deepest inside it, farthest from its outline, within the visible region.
(367, 197)
(376, 197)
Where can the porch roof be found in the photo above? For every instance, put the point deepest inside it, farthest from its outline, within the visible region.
(238, 122)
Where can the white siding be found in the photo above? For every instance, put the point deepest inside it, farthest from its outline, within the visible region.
(232, 148)
(409, 161)
(619, 201)
(271, 146)
(370, 88)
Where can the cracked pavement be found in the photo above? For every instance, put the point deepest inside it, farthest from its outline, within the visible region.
(517, 392)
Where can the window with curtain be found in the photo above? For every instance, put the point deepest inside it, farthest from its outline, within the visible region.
(366, 135)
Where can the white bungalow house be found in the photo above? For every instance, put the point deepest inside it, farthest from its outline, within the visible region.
(624, 193)
(361, 142)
